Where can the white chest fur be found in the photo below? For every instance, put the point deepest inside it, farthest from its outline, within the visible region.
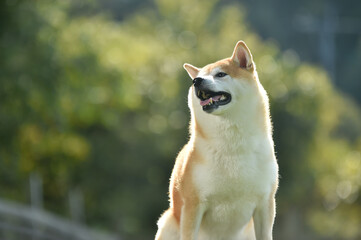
(234, 177)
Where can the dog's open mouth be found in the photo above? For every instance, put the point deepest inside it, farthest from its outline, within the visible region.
(212, 100)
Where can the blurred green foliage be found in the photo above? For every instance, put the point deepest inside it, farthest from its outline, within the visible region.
(99, 105)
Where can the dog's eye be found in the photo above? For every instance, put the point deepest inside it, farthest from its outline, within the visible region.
(221, 74)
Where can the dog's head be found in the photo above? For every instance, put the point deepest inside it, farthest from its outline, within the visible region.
(221, 86)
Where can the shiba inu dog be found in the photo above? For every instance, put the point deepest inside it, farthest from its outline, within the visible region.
(225, 178)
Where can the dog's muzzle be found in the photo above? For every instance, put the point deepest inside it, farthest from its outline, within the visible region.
(197, 81)
(210, 100)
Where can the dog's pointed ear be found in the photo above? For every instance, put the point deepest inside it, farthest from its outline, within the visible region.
(191, 70)
(242, 56)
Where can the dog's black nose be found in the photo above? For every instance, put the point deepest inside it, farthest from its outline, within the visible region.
(197, 81)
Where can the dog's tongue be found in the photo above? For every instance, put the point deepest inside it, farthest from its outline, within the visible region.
(207, 101)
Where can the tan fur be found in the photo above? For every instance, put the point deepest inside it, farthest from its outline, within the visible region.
(225, 178)
(230, 68)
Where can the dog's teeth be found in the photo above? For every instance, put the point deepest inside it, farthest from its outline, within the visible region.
(203, 95)
(223, 97)
(211, 101)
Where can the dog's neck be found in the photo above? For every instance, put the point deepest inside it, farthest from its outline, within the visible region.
(244, 123)
(232, 136)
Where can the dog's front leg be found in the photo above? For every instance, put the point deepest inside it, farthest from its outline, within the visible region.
(263, 219)
(191, 219)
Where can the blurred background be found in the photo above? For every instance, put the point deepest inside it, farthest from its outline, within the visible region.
(93, 109)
